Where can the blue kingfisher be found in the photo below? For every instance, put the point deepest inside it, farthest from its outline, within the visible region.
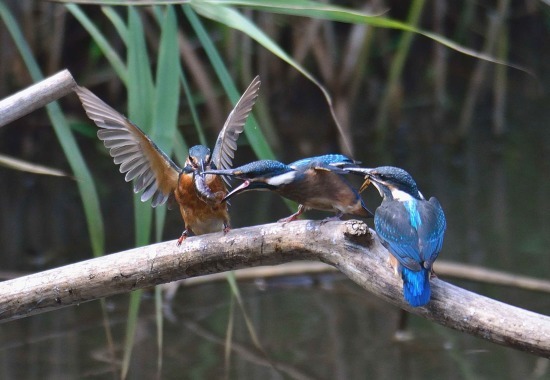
(409, 226)
(198, 196)
(315, 183)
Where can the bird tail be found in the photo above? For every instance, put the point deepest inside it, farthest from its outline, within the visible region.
(416, 286)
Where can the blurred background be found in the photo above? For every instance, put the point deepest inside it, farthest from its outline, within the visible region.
(471, 132)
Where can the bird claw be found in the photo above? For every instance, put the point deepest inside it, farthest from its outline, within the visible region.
(288, 219)
(226, 229)
(292, 217)
(183, 236)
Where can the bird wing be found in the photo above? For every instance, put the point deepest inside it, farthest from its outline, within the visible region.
(431, 231)
(226, 145)
(138, 156)
(392, 224)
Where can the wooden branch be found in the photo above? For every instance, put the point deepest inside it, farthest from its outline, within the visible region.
(349, 246)
(35, 96)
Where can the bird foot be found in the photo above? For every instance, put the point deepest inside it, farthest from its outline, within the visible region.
(288, 219)
(226, 229)
(394, 264)
(183, 236)
(294, 216)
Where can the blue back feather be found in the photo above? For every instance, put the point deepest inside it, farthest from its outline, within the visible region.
(325, 159)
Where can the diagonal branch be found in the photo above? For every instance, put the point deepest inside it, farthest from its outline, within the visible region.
(349, 246)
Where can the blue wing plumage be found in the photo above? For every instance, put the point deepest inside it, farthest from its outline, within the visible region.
(431, 231)
(392, 225)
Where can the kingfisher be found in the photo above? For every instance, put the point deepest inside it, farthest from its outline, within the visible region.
(153, 172)
(409, 226)
(315, 183)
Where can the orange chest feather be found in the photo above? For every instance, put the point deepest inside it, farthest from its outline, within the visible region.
(191, 206)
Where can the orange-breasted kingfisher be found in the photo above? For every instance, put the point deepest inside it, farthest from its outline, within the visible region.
(410, 227)
(153, 172)
(315, 183)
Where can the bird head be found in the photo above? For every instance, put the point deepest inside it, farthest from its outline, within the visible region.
(258, 175)
(198, 159)
(393, 182)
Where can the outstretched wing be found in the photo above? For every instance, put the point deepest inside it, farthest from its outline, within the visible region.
(139, 157)
(226, 145)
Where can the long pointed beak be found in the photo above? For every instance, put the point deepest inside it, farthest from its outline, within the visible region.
(228, 172)
(359, 171)
(201, 164)
(365, 184)
(239, 189)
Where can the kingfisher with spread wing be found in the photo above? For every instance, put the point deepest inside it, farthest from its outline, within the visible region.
(198, 195)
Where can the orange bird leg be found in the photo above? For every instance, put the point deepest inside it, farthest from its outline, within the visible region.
(183, 236)
(294, 216)
(226, 228)
(394, 264)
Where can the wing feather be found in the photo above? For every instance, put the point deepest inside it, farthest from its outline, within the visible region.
(226, 144)
(431, 231)
(392, 225)
(139, 157)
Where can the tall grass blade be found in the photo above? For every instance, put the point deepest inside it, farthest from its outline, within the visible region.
(231, 279)
(165, 115)
(233, 19)
(193, 108)
(167, 89)
(252, 131)
(160, 328)
(229, 336)
(314, 9)
(167, 93)
(140, 110)
(29, 167)
(180, 147)
(131, 325)
(109, 52)
(118, 23)
(396, 69)
(141, 92)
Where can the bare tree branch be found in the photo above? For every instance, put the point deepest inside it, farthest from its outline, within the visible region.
(35, 96)
(349, 246)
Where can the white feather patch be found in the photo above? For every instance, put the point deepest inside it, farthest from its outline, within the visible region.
(401, 196)
(282, 179)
